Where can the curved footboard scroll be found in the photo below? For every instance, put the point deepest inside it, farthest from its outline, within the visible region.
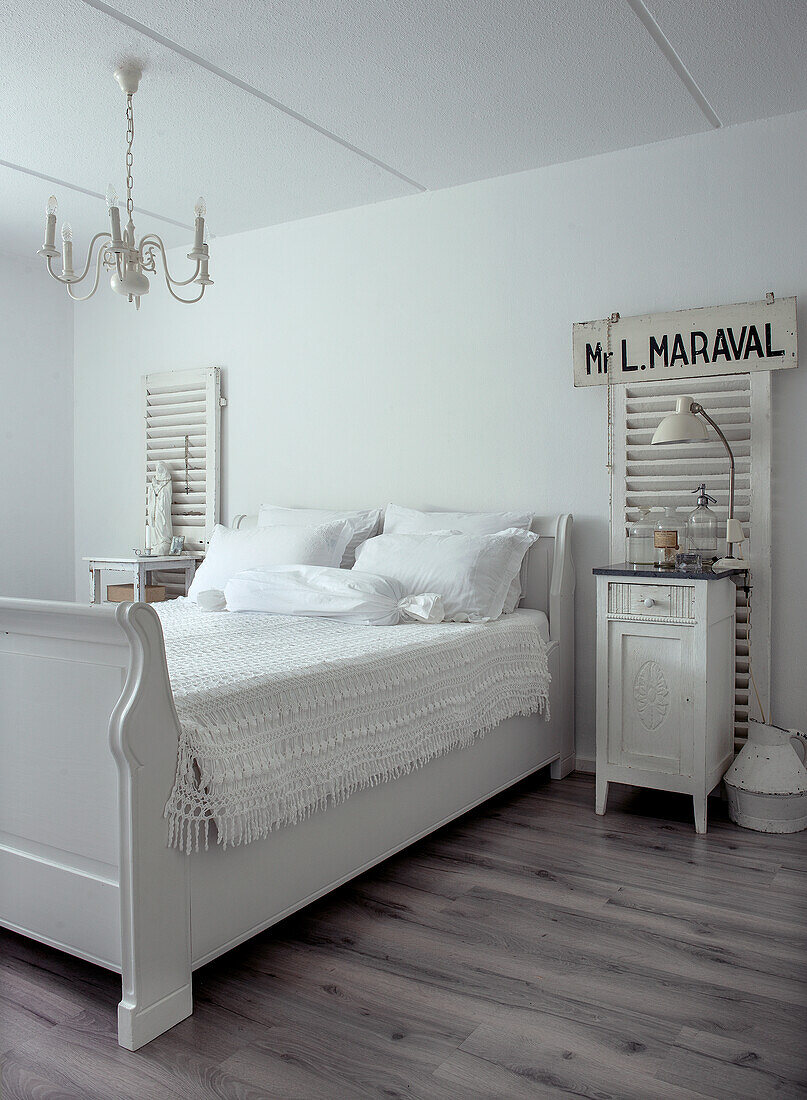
(154, 879)
(88, 743)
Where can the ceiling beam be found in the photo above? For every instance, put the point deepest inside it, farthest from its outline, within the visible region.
(195, 59)
(648, 21)
(86, 191)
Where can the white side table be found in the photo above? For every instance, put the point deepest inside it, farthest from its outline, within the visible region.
(139, 569)
(665, 681)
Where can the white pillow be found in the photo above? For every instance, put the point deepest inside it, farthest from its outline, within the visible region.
(232, 551)
(472, 573)
(345, 594)
(363, 525)
(398, 520)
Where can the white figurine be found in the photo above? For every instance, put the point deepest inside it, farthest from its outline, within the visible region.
(159, 509)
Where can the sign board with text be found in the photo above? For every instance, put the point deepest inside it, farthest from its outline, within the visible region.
(690, 343)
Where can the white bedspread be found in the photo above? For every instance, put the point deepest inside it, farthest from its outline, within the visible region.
(282, 716)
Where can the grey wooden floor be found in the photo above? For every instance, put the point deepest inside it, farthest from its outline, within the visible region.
(531, 949)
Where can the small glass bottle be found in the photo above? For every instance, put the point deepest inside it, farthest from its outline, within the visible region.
(640, 541)
(668, 535)
(702, 528)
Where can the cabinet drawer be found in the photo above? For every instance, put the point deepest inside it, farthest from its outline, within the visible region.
(652, 601)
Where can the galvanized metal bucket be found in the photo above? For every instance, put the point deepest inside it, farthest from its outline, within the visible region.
(767, 783)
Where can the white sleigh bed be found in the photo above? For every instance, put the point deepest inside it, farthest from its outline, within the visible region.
(88, 756)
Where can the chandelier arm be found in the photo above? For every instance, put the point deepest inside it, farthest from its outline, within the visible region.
(97, 237)
(152, 238)
(78, 278)
(84, 297)
(185, 301)
(52, 273)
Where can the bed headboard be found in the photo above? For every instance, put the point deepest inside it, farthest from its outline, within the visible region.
(548, 577)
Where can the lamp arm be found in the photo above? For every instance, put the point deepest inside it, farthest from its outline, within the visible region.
(696, 408)
(699, 409)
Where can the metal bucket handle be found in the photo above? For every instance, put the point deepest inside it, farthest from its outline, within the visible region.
(799, 742)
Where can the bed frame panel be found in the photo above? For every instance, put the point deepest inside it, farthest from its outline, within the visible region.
(88, 738)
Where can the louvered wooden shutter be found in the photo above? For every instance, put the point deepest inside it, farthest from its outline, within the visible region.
(183, 420)
(645, 476)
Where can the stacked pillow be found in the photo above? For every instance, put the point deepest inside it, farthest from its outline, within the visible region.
(472, 573)
(362, 525)
(231, 551)
(398, 520)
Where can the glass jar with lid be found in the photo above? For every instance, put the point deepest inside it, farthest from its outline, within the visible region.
(640, 550)
(669, 533)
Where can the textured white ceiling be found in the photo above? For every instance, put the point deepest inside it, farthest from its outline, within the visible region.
(748, 57)
(448, 92)
(300, 107)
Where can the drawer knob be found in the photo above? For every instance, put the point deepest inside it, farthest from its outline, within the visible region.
(648, 601)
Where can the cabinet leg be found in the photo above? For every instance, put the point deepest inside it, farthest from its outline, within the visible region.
(699, 803)
(601, 797)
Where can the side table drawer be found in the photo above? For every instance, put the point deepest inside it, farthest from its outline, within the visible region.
(651, 601)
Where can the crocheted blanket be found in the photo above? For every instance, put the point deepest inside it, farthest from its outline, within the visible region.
(281, 716)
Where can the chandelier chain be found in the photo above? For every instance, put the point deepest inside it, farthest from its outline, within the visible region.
(129, 156)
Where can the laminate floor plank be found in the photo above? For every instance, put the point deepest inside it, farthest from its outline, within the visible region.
(565, 1057)
(374, 1001)
(530, 949)
(639, 940)
(730, 1069)
(474, 962)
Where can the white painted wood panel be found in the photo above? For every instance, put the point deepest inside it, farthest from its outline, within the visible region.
(182, 412)
(643, 475)
(650, 696)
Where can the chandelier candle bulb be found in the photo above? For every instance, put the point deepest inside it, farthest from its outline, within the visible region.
(49, 247)
(67, 249)
(114, 215)
(199, 225)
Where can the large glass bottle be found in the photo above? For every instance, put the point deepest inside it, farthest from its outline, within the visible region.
(668, 536)
(640, 541)
(702, 527)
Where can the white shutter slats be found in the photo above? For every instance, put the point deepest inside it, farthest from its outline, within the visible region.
(645, 476)
(173, 432)
(182, 428)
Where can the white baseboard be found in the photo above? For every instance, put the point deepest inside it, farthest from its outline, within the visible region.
(586, 764)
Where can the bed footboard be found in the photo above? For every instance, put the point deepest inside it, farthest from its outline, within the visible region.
(83, 859)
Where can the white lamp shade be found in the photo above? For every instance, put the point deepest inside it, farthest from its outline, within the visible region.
(682, 426)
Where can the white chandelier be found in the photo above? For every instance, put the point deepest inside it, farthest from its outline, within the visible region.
(127, 260)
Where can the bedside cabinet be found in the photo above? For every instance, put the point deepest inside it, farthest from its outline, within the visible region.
(665, 681)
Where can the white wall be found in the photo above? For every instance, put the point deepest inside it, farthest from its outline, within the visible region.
(36, 433)
(420, 350)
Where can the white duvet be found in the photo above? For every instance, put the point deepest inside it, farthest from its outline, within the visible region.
(281, 716)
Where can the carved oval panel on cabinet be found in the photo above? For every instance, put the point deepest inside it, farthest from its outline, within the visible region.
(651, 695)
